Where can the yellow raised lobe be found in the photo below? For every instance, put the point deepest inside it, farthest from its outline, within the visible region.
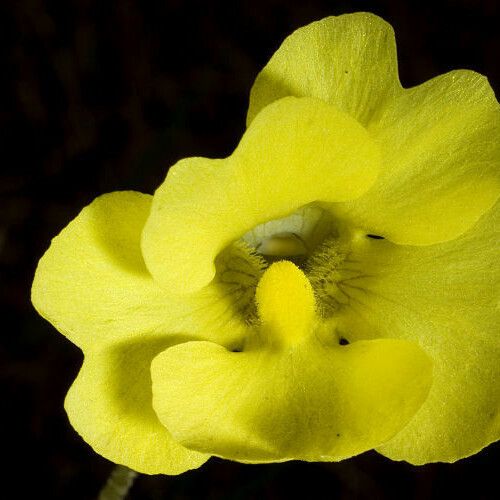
(285, 303)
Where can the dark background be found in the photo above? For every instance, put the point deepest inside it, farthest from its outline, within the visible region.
(99, 96)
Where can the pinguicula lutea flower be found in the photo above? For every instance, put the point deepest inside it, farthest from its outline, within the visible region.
(329, 288)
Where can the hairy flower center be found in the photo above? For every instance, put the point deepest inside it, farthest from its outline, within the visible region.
(310, 238)
(333, 257)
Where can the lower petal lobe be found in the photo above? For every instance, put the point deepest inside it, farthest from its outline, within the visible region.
(314, 401)
(109, 405)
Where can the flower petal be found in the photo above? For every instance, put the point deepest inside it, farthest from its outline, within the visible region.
(297, 151)
(315, 402)
(439, 140)
(446, 297)
(441, 157)
(109, 404)
(349, 61)
(93, 286)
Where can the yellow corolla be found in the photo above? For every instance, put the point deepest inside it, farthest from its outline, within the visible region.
(329, 288)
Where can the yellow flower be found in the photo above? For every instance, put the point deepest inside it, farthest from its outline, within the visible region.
(329, 288)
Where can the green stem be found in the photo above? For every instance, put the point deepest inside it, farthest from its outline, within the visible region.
(119, 483)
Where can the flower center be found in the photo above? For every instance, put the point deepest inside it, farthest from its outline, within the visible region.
(320, 247)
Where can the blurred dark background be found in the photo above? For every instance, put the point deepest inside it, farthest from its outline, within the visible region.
(99, 96)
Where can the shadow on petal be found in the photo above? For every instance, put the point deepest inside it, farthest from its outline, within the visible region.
(117, 223)
(129, 376)
(109, 405)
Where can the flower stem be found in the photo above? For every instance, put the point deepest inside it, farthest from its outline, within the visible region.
(119, 483)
